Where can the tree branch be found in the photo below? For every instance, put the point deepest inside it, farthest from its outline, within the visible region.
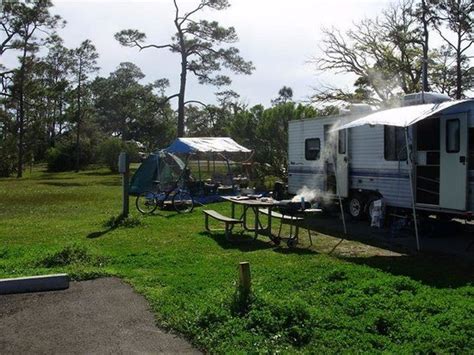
(152, 46)
(196, 102)
(200, 7)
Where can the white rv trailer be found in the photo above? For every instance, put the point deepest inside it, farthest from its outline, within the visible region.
(368, 153)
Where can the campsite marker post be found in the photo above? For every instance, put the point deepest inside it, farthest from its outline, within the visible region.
(123, 165)
(244, 279)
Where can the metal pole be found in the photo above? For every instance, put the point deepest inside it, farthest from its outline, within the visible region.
(410, 173)
(423, 65)
(339, 197)
(199, 169)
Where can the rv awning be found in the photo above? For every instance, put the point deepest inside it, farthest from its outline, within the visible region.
(206, 145)
(402, 116)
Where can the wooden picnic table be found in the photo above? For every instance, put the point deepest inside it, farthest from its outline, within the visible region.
(254, 206)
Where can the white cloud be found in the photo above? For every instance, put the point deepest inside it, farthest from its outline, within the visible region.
(278, 36)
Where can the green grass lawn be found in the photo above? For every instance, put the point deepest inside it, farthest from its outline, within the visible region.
(304, 300)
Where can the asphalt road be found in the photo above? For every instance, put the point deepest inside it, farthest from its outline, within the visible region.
(98, 316)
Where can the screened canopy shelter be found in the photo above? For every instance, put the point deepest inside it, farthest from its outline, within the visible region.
(213, 163)
(223, 145)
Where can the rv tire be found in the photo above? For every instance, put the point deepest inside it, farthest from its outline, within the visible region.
(356, 206)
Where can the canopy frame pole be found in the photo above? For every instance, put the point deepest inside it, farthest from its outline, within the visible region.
(338, 193)
(410, 175)
(199, 167)
(229, 173)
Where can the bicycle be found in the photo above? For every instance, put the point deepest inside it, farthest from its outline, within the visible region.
(177, 196)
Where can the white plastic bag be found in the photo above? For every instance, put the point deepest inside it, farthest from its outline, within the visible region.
(378, 213)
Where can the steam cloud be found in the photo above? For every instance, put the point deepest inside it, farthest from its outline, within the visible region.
(327, 156)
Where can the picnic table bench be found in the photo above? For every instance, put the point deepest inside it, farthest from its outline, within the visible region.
(292, 221)
(228, 221)
(260, 207)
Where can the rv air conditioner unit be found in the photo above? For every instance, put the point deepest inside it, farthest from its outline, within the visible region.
(429, 98)
(357, 109)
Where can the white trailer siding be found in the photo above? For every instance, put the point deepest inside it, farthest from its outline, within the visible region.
(302, 172)
(370, 171)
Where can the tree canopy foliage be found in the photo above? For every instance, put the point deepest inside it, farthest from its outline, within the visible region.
(200, 45)
(55, 108)
(387, 53)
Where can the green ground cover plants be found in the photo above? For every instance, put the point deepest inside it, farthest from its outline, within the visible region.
(303, 300)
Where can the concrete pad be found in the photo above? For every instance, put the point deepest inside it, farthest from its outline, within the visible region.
(98, 316)
(34, 284)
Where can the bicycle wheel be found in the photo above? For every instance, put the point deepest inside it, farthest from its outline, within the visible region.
(183, 202)
(146, 202)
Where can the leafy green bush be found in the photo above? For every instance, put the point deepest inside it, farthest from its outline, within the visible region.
(71, 254)
(63, 156)
(110, 149)
(120, 221)
(8, 156)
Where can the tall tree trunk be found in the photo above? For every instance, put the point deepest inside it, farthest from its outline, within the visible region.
(459, 66)
(79, 119)
(21, 133)
(21, 114)
(425, 46)
(181, 97)
(60, 118)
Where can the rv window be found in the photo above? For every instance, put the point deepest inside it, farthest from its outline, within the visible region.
(394, 143)
(342, 142)
(452, 136)
(312, 148)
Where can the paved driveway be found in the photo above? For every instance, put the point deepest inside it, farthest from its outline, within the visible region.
(98, 316)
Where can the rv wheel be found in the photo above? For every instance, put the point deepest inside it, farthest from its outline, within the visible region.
(356, 206)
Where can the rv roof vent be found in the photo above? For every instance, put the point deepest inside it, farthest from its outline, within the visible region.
(360, 108)
(426, 98)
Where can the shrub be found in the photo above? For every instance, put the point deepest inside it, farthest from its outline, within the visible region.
(8, 156)
(71, 254)
(63, 156)
(110, 149)
(120, 221)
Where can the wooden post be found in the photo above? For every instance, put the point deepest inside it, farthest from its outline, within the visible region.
(124, 169)
(244, 278)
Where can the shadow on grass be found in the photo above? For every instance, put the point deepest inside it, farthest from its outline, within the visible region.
(246, 243)
(110, 183)
(99, 173)
(440, 272)
(53, 176)
(242, 242)
(62, 184)
(114, 223)
(99, 234)
(295, 250)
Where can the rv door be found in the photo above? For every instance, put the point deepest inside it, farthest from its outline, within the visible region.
(342, 169)
(453, 164)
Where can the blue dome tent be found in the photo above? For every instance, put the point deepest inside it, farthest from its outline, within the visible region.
(162, 166)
